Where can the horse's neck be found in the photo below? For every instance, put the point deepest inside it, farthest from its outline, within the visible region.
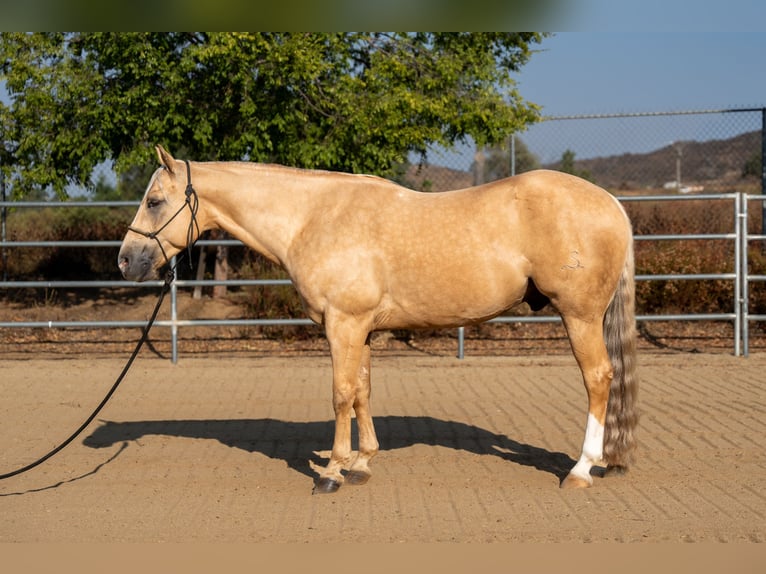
(263, 206)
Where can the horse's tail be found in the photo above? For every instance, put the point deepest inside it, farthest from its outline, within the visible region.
(620, 338)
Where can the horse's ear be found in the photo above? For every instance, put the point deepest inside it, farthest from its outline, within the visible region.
(166, 160)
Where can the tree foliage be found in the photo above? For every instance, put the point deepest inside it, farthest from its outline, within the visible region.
(754, 165)
(497, 164)
(358, 102)
(567, 165)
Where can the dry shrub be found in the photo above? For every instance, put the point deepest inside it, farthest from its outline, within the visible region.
(683, 257)
(65, 224)
(273, 301)
(669, 296)
(657, 296)
(678, 217)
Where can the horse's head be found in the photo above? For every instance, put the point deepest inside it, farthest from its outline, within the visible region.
(164, 224)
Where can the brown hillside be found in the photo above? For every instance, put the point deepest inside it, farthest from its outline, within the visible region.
(436, 178)
(714, 165)
(717, 165)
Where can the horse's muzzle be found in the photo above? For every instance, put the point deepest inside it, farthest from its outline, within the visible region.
(136, 266)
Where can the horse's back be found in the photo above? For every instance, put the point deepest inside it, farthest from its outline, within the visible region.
(447, 258)
(541, 216)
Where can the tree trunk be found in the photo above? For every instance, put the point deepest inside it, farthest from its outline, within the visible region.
(200, 272)
(221, 272)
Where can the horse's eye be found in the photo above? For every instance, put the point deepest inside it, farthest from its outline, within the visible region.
(152, 203)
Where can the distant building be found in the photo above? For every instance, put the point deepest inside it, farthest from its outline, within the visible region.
(683, 188)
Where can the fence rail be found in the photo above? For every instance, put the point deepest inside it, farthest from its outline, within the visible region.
(722, 151)
(749, 278)
(738, 314)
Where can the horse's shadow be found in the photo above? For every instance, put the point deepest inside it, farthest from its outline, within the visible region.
(298, 442)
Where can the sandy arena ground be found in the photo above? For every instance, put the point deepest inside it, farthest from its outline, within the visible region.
(217, 449)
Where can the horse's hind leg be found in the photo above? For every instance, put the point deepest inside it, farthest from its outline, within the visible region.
(368, 443)
(586, 338)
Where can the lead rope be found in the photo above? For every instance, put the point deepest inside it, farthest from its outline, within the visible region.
(193, 203)
(144, 336)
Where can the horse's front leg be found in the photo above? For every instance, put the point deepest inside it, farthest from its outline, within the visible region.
(347, 347)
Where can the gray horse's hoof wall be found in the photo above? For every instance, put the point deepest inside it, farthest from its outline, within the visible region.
(357, 478)
(326, 486)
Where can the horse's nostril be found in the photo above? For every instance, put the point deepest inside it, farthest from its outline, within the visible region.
(123, 263)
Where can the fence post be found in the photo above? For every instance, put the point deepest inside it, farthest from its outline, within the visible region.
(173, 318)
(513, 154)
(741, 274)
(3, 213)
(763, 169)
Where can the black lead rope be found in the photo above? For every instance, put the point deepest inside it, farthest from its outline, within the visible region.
(75, 434)
(193, 203)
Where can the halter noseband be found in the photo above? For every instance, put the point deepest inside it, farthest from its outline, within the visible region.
(192, 202)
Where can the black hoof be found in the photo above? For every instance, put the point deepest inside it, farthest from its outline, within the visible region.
(616, 470)
(357, 478)
(326, 486)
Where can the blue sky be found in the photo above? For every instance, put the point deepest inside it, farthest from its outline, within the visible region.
(628, 56)
(589, 72)
(614, 72)
(650, 56)
(657, 15)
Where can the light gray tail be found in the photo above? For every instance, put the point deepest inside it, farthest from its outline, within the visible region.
(620, 338)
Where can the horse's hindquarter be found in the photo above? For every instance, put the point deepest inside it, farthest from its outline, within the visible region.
(579, 237)
(409, 259)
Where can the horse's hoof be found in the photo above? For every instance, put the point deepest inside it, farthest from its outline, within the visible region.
(573, 481)
(326, 486)
(616, 470)
(357, 477)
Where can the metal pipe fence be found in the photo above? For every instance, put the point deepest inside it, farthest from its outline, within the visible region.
(738, 314)
(748, 278)
(736, 236)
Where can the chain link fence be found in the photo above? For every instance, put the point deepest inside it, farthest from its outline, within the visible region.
(712, 151)
(651, 154)
(702, 157)
(705, 158)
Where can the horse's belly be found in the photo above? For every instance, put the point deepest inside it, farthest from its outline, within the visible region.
(449, 303)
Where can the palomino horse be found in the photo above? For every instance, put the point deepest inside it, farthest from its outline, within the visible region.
(366, 254)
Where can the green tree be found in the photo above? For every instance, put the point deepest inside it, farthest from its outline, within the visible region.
(567, 162)
(753, 166)
(567, 165)
(359, 102)
(498, 160)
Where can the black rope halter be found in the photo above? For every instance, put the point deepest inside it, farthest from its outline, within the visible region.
(192, 202)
